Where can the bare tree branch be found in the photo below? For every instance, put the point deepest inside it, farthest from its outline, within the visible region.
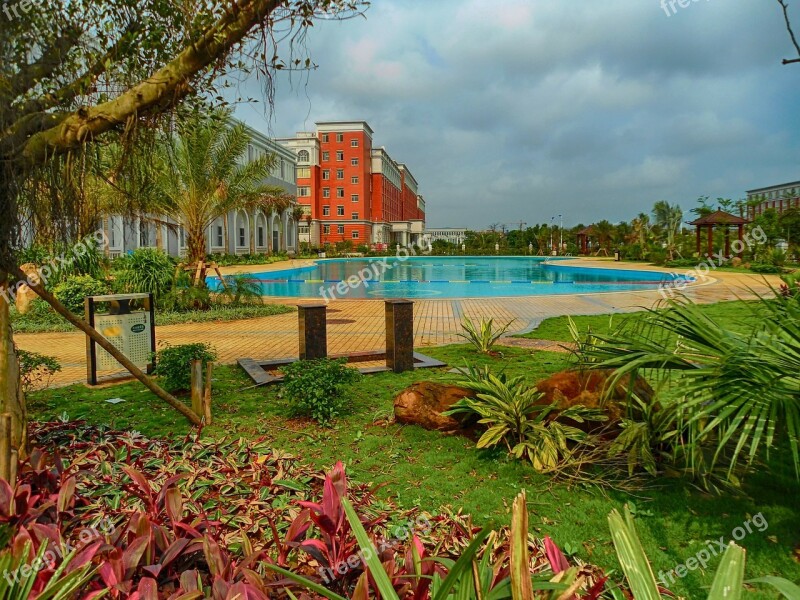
(785, 7)
(167, 86)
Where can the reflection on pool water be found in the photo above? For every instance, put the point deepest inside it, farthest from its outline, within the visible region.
(448, 277)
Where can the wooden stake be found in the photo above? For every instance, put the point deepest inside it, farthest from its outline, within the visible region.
(207, 394)
(13, 467)
(5, 446)
(197, 388)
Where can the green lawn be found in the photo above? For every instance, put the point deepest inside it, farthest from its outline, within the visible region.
(51, 321)
(434, 471)
(737, 315)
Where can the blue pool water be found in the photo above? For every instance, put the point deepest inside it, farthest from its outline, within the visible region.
(448, 277)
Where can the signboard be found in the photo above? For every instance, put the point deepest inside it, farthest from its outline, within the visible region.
(130, 334)
(125, 320)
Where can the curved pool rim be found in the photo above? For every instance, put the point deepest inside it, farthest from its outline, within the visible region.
(635, 279)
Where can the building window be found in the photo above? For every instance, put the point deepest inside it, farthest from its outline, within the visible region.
(303, 172)
(326, 211)
(339, 155)
(218, 241)
(354, 143)
(326, 156)
(355, 235)
(326, 174)
(354, 216)
(339, 173)
(303, 156)
(326, 192)
(354, 198)
(251, 153)
(340, 211)
(354, 180)
(303, 191)
(302, 229)
(354, 162)
(326, 229)
(340, 192)
(324, 137)
(261, 237)
(339, 137)
(340, 229)
(242, 237)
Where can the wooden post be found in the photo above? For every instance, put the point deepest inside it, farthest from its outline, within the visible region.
(313, 332)
(207, 393)
(399, 315)
(197, 388)
(5, 446)
(12, 469)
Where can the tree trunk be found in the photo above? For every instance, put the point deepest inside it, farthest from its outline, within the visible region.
(13, 396)
(225, 237)
(195, 246)
(110, 348)
(252, 228)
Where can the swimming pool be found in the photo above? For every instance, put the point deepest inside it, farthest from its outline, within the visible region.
(448, 277)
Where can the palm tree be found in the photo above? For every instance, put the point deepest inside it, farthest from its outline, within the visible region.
(604, 232)
(641, 231)
(738, 390)
(668, 218)
(204, 174)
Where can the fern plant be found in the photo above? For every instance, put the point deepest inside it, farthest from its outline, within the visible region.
(484, 335)
(515, 417)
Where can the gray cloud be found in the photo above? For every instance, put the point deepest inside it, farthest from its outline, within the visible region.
(516, 109)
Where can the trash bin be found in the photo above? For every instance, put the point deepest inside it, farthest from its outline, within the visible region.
(616, 255)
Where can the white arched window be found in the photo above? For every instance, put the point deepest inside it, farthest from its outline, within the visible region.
(242, 226)
(303, 156)
(261, 230)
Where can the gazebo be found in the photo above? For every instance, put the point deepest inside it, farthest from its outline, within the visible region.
(724, 219)
(583, 239)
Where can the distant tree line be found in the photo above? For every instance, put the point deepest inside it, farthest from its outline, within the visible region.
(661, 235)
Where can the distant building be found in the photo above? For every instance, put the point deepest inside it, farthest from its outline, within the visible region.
(780, 197)
(453, 235)
(238, 232)
(352, 191)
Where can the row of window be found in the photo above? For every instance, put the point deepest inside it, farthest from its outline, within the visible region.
(303, 157)
(326, 157)
(326, 212)
(340, 138)
(326, 175)
(326, 193)
(326, 230)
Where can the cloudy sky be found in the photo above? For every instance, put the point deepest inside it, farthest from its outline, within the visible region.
(520, 110)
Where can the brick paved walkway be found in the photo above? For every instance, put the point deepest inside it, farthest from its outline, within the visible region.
(362, 321)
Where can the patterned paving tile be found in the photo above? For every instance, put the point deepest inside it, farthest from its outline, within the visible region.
(361, 322)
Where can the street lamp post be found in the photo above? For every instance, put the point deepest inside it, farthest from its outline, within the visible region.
(551, 233)
(560, 234)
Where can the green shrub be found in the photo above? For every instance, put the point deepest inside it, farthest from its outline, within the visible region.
(515, 417)
(145, 271)
(188, 298)
(484, 335)
(682, 262)
(173, 363)
(315, 387)
(240, 290)
(75, 288)
(36, 368)
(765, 268)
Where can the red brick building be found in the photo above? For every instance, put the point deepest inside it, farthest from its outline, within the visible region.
(353, 191)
